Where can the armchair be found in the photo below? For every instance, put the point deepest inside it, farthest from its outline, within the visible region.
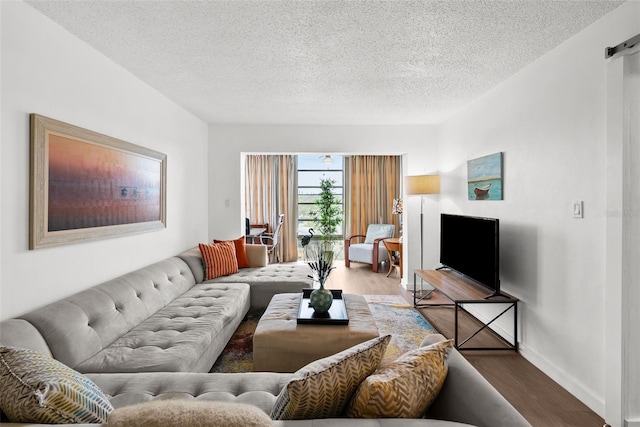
(372, 250)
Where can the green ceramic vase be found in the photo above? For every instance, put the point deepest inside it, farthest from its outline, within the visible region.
(321, 299)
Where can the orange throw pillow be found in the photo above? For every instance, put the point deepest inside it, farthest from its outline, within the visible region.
(219, 259)
(241, 251)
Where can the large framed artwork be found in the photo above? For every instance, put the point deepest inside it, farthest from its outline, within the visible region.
(88, 186)
(484, 177)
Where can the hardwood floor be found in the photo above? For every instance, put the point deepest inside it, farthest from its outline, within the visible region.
(536, 396)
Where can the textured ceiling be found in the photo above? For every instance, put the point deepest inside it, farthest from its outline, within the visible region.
(324, 62)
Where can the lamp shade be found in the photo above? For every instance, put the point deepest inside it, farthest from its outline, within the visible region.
(423, 184)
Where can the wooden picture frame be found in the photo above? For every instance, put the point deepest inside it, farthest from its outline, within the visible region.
(87, 186)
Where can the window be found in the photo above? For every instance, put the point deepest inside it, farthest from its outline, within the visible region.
(311, 169)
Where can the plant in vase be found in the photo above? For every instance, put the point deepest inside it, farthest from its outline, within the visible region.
(320, 262)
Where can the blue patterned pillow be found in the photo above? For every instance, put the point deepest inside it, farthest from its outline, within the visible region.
(39, 389)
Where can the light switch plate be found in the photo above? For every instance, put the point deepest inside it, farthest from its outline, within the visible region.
(578, 209)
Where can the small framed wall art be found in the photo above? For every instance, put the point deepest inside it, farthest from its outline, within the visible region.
(88, 186)
(484, 177)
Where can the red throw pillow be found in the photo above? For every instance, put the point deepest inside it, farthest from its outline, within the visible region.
(219, 259)
(241, 251)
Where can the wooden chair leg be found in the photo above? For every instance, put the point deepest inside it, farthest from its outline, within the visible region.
(376, 249)
(347, 262)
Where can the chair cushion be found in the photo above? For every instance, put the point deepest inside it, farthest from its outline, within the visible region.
(39, 389)
(379, 231)
(219, 259)
(363, 252)
(384, 394)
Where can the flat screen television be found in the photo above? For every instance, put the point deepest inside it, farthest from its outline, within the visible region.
(471, 246)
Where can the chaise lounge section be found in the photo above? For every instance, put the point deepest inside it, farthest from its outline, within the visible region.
(264, 279)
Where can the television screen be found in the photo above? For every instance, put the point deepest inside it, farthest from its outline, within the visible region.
(471, 246)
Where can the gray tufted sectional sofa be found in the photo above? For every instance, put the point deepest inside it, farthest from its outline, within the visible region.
(154, 333)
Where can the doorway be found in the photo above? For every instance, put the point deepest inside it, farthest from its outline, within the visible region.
(622, 341)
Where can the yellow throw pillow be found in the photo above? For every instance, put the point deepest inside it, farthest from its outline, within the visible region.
(219, 259)
(191, 413)
(323, 387)
(404, 389)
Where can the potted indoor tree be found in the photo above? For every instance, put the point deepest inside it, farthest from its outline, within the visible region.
(327, 215)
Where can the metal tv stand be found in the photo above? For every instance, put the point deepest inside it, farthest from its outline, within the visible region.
(458, 290)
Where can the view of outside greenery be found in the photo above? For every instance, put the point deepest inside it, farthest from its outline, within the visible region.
(311, 169)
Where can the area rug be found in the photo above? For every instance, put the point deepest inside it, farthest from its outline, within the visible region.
(395, 316)
(392, 313)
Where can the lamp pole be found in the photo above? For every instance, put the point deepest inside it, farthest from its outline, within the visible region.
(421, 185)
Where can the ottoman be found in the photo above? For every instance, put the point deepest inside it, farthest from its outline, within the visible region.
(280, 344)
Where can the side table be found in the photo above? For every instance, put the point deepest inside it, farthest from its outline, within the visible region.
(394, 244)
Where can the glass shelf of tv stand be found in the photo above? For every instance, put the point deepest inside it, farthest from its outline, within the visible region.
(450, 288)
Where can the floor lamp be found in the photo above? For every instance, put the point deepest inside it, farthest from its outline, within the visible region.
(421, 185)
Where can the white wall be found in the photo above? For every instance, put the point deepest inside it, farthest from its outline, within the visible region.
(48, 71)
(229, 142)
(550, 122)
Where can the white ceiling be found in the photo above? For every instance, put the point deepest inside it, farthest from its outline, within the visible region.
(324, 62)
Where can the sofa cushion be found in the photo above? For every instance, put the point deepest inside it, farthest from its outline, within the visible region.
(83, 324)
(186, 336)
(256, 388)
(241, 252)
(219, 259)
(270, 280)
(383, 394)
(39, 389)
(181, 413)
(258, 255)
(323, 388)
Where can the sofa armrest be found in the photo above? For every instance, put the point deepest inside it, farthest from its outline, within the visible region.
(22, 334)
(467, 397)
(257, 255)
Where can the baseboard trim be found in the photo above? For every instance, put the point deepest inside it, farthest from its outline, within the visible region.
(632, 423)
(559, 376)
(565, 381)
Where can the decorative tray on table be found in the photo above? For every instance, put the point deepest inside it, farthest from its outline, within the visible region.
(337, 314)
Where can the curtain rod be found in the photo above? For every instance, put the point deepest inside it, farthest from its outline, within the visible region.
(610, 51)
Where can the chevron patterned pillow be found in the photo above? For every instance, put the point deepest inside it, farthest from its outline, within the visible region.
(404, 389)
(39, 389)
(323, 387)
